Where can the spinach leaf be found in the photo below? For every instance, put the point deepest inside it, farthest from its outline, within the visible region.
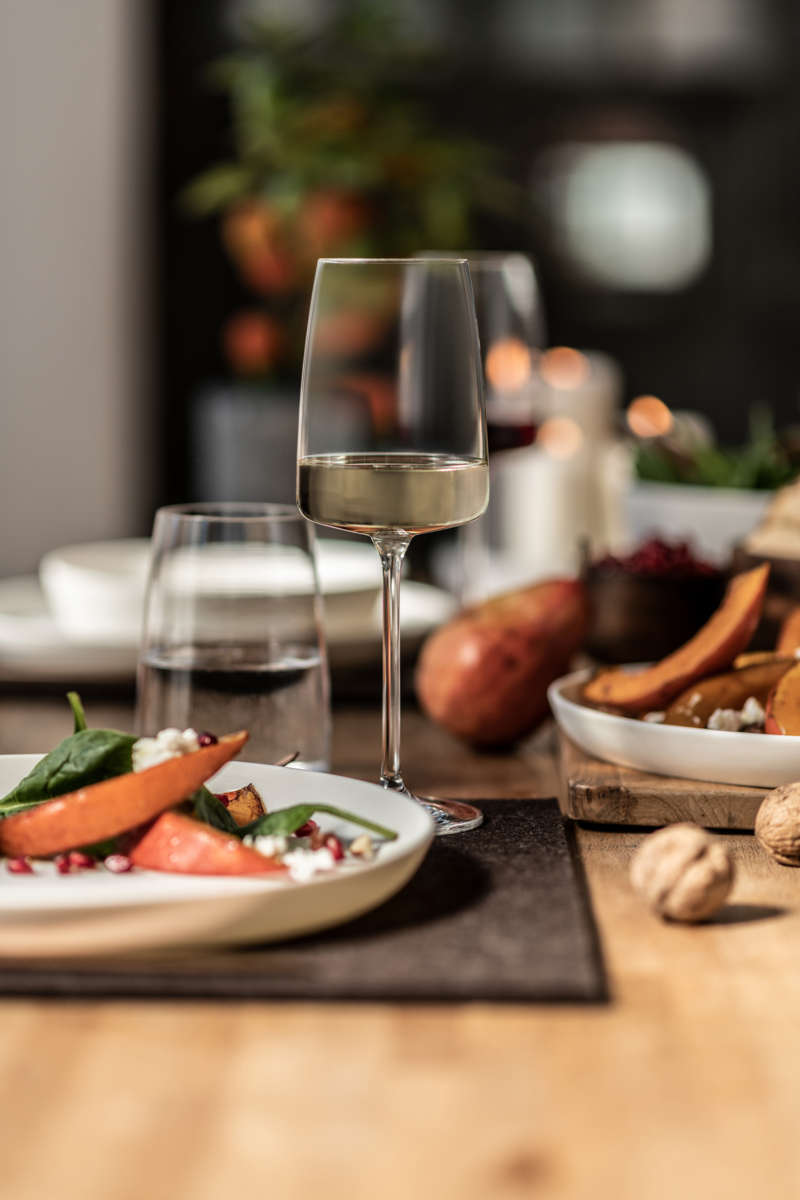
(286, 820)
(86, 757)
(77, 711)
(206, 807)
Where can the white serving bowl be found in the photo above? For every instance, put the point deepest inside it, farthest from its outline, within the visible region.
(713, 755)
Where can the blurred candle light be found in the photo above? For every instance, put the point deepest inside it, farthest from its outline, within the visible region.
(508, 365)
(649, 417)
(560, 437)
(564, 368)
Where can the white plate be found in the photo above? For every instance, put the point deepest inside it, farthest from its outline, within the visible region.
(33, 648)
(712, 755)
(95, 912)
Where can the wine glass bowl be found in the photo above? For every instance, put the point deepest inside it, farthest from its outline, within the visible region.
(407, 453)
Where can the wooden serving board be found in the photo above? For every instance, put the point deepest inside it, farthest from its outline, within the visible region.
(605, 794)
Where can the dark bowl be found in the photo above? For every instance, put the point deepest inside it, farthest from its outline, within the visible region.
(639, 618)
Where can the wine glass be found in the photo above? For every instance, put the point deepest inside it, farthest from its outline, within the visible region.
(392, 346)
(511, 325)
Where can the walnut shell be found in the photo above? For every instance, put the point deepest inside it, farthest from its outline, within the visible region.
(778, 824)
(682, 872)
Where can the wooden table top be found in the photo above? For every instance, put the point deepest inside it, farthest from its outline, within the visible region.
(688, 1083)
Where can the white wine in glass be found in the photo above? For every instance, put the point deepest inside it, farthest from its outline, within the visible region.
(392, 438)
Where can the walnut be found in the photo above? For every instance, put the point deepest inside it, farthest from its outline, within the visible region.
(778, 824)
(682, 872)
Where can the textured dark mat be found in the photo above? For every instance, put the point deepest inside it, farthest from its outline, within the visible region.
(498, 914)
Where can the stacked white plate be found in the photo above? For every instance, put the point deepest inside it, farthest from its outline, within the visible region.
(81, 618)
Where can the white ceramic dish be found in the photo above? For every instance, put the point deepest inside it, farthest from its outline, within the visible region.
(33, 647)
(715, 756)
(95, 591)
(95, 912)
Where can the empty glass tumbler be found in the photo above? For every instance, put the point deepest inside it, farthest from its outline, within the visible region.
(233, 635)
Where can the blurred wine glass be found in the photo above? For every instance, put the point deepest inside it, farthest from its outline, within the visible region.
(511, 326)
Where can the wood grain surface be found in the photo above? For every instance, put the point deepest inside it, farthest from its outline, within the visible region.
(592, 790)
(687, 1084)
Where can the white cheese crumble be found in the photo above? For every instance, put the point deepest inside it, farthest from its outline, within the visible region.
(271, 846)
(304, 864)
(732, 719)
(725, 718)
(168, 743)
(752, 712)
(654, 718)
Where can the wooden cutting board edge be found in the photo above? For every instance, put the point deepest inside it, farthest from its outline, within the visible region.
(602, 793)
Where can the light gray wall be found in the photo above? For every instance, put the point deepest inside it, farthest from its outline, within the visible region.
(74, 390)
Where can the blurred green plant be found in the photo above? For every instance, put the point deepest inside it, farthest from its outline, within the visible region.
(761, 463)
(335, 154)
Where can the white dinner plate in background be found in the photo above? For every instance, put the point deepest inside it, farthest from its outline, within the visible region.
(34, 649)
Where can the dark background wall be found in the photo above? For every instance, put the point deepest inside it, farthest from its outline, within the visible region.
(720, 81)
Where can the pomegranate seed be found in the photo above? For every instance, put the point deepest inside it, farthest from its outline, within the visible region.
(62, 864)
(206, 739)
(81, 861)
(306, 830)
(333, 844)
(118, 863)
(19, 866)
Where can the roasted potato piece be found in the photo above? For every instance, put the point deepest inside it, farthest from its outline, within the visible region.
(783, 704)
(713, 647)
(244, 804)
(730, 690)
(752, 657)
(789, 636)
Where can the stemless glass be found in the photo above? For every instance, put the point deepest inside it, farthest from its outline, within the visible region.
(233, 630)
(392, 346)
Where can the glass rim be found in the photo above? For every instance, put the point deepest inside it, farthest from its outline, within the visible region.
(233, 510)
(453, 260)
(478, 257)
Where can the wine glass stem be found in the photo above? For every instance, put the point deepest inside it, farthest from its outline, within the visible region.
(392, 551)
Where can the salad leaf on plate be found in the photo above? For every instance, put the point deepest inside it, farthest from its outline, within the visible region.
(87, 756)
(284, 821)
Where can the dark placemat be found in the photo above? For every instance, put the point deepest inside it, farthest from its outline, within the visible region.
(498, 914)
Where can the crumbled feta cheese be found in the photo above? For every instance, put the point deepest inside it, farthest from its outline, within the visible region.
(168, 743)
(271, 846)
(362, 846)
(304, 864)
(725, 718)
(752, 712)
(654, 718)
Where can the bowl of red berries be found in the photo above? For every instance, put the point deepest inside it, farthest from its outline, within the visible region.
(647, 603)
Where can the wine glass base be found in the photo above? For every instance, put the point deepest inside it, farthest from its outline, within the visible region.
(451, 816)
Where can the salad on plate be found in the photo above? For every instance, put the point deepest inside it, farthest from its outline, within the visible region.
(106, 800)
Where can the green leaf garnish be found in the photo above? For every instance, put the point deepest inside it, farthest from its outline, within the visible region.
(86, 757)
(206, 807)
(77, 711)
(284, 821)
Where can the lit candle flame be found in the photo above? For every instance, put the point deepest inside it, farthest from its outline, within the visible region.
(560, 437)
(508, 364)
(649, 417)
(564, 368)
